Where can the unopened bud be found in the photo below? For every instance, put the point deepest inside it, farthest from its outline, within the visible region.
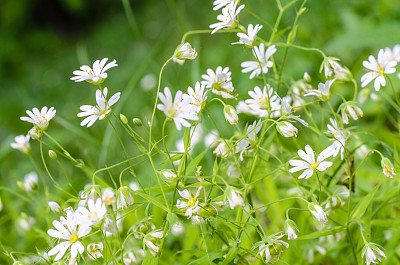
(231, 115)
(307, 77)
(286, 129)
(35, 133)
(137, 122)
(21, 185)
(123, 118)
(55, 207)
(53, 155)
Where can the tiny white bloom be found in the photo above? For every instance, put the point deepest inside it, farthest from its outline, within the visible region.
(310, 165)
(185, 51)
(108, 196)
(94, 213)
(177, 229)
(95, 250)
(190, 204)
(234, 198)
(221, 150)
(291, 228)
(222, 3)
(387, 168)
(101, 110)
(125, 198)
(22, 143)
(30, 181)
(372, 253)
(180, 109)
(318, 212)
(286, 129)
(211, 139)
(228, 19)
(323, 91)
(264, 102)
(95, 76)
(219, 81)
(246, 145)
(134, 186)
(262, 63)
(339, 138)
(40, 118)
(197, 96)
(379, 69)
(250, 38)
(231, 115)
(352, 110)
(149, 238)
(55, 207)
(169, 175)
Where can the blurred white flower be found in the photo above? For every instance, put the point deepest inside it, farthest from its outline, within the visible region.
(249, 39)
(95, 212)
(149, 238)
(246, 144)
(228, 19)
(222, 3)
(286, 129)
(231, 115)
(339, 138)
(290, 228)
(372, 253)
(95, 76)
(95, 250)
(352, 110)
(55, 207)
(148, 82)
(30, 181)
(40, 118)
(262, 62)
(22, 143)
(124, 198)
(108, 196)
(234, 198)
(101, 110)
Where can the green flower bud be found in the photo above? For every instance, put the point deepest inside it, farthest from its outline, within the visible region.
(35, 133)
(137, 122)
(53, 155)
(274, 249)
(21, 185)
(123, 118)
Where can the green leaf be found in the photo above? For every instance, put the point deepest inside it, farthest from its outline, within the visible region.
(232, 253)
(172, 218)
(181, 168)
(195, 162)
(149, 259)
(318, 234)
(215, 168)
(152, 200)
(361, 207)
(204, 260)
(386, 222)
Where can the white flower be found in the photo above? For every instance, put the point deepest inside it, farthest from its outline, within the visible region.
(30, 181)
(169, 175)
(191, 203)
(310, 165)
(101, 110)
(261, 63)
(379, 69)
(219, 81)
(286, 129)
(40, 118)
(197, 96)
(331, 65)
(272, 250)
(290, 228)
(178, 61)
(234, 198)
(125, 198)
(71, 233)
(387, 168)
(372, 253)
(233, 171)
(129, 258)
(286, 111)
(250, 38)
(352, 110)
(185, 51)
(95, 212)
(221, 150)
(339, 139)
(263, 102)
(323, 91)
(394, 53)
(108, 196)
(177, 229)
(22, 144)
(134, 186)
(179, 109)
(246, 145)
(149, 238)
(95, 250)
(228, 19)
(211, 139)
(263, 251)
(318, 212)
(95, 76)
(231, 115)
(221, 3)
(55, 207)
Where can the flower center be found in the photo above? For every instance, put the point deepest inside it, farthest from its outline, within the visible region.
(191, 202)
(73, 238)
(381, 71)
(102, 112)
(314, 166)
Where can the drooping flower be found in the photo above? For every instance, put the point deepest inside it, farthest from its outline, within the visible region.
(318, 212)
(387, 168)
(262, 62)
(185, 51)
(219, 81)
(234, 198)
(323, 91)
(228, 19)
(191, 202)
(338, 138)
(71, 232)
(22, 143)
(379, 68)
(95, 212)
(331, 66)
(179, 110)
(40, 119)
(55, 207)
(249, 38)
(95, 250)
(197, 96)
(95, 76)
(101, 110)
(271, 249)
(149, 238)
(247, 144)
(286, 129)
(231, 115)
(291, 228)
(124, 198)
(372, 253)
(310, 165)
(169, 175)
(351, 109)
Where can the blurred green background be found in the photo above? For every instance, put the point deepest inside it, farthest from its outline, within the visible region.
(42, 42)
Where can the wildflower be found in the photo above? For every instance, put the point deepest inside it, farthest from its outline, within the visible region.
(22, 144)
(211, 139)
(234, 198)
(228, 19)
(30, 181)
(318, 212)
(219, 81)
(351, 109)
(231, 115)
(338, 138)
(101, 110)
(286, 111)
(185, 51)
(221, 150)
(95, 212)
(40, 119)
(95, 250)
(291, 228)
(197, 96)
(334, 202)
(196, 220)
(323, 91)
(125, 198)
(191, 203)
(169, 175)
(177, 229)
(35, 133)
(134, 186)
(149, 238)
(246, 145)
(108, 196)
(310, 165)
(394, 54)
(379, 69)
(178, 61)
(286, 129)
(372, 253)
(221, 3)
(263, 103)
(249, 39)
(233, 171)
(55, 207)
(179, 109)
(331, 65)
(95, 76)
(71, 234)
(262, 63)
(307, 77)
(271, 249)
(387, 168)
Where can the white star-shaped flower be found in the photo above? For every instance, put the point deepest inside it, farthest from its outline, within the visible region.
(262, 62)
(40, 118)
(249, 38)
(197, 96)
(97, 75)
(228, 18)
(219, 81)
(190, 204)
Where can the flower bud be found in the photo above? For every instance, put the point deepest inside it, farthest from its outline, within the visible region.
(20, 185)
(35, 133)
(137, 122)
(387, 168)
(53, 155)
(125, 198)
(352, 110)
(318, 212)
(185, 51)
(55, 207)
(372, 253)
(307, 77)
(123, 118)
(231, 115)
(169, 175)
(290, 228)
(286, 129)
(234, 197)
